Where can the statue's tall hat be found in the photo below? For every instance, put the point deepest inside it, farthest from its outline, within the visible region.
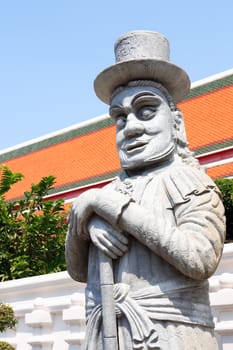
(142, 55)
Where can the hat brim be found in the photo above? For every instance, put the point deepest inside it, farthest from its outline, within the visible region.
(172, 77)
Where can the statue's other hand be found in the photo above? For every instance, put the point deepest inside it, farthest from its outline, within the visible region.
(110, 241)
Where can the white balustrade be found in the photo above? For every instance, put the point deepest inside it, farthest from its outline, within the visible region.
(51, 316)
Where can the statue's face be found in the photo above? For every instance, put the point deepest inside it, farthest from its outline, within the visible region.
(144, 125)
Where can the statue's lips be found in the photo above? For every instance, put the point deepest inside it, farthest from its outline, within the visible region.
(135, 146)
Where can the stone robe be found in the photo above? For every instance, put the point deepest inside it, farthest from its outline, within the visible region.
(161, 283)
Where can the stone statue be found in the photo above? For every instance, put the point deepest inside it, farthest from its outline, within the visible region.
(161, 221)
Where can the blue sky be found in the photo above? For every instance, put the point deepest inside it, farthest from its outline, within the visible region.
(52, 50)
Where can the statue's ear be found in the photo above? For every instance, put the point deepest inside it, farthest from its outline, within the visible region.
(179, 128)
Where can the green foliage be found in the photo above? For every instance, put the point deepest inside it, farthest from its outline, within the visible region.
(5, 346)
(226, 187)
(8, 178)
(7, 317)
(32, 230)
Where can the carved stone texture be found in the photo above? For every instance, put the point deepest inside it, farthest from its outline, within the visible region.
(160, 223)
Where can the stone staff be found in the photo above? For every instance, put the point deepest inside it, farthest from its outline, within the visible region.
(108, 303)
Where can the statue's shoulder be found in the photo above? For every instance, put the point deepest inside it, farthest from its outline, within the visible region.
(183, 181)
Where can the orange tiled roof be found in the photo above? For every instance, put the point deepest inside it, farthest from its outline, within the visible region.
(209, 118)
(87, 154)
(72, 161)
(223, 170)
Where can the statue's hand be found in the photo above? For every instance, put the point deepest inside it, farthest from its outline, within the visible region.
(110, 241)
(81, 211)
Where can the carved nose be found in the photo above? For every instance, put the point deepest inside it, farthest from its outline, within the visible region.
(133, 127)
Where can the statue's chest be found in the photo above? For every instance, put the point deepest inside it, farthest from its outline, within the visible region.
(146, 190)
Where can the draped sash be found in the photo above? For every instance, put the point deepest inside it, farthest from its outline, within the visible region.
(142, 309)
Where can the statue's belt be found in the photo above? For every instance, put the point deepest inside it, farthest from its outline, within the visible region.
(140, 308)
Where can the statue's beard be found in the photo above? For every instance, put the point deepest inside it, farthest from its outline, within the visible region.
(165, 155)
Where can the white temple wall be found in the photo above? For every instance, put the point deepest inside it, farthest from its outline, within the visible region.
(50, 309)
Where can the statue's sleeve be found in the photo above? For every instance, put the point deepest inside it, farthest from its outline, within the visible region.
(194, 244)
(77, 239)
(76, 249)
(190, 233)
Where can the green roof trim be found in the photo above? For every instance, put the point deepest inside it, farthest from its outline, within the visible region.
(85, 182)
(210, 87)
(213, 147)
(68, 135)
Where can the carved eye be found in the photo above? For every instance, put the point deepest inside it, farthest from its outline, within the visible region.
(146, 113)
(119, 116)
(120, 121)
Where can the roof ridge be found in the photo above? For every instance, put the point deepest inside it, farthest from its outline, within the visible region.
(211, 84)
(212, 78)
(53, 134)
(63, 135)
